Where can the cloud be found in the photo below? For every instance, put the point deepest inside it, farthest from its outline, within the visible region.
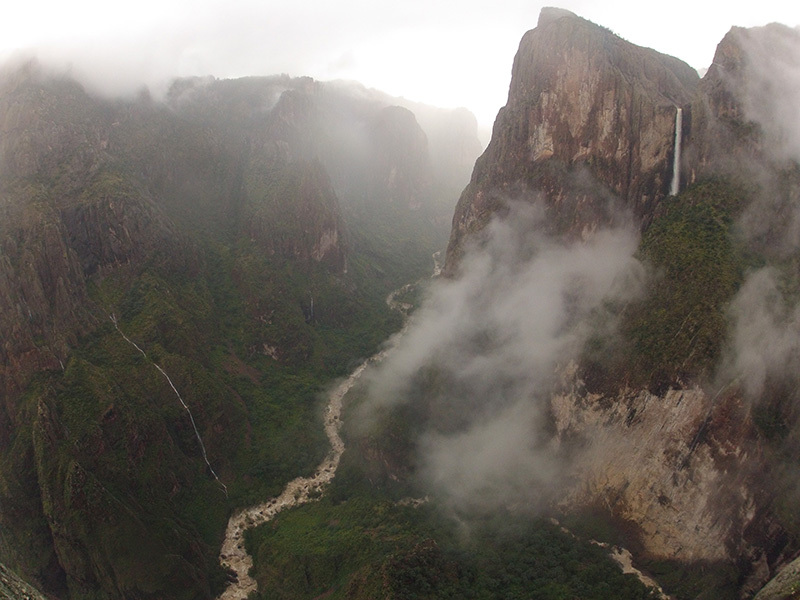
(772, 94)
(768, 89)
(492, 341)
(764, 340)
(499, 461)
(766, 334)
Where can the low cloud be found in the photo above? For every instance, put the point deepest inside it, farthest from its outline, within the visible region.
(492, 341)
(772, 95)
(765, 340)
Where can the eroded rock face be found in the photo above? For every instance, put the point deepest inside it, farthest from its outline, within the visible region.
(47, 124)
(589, 128)
(589, 123)
(745, 105)
(685, 472)
(13, 587)
(784, 585)
(683, 468)
(310, 228)
(43, 303)
(401, 165)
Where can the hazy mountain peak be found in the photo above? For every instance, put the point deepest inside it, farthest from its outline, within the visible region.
(552, 13)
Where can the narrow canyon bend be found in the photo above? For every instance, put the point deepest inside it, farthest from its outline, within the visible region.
(298, 491)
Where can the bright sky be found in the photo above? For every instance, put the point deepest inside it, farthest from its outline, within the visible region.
(443, 52)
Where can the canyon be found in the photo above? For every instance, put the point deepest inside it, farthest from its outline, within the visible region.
(244, 235)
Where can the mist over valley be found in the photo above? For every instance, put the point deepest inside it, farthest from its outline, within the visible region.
(275, 336)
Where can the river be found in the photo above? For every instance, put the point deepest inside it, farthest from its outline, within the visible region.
(299, 491)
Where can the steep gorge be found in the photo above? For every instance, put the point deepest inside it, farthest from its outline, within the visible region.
(209, 225)
(245, 232)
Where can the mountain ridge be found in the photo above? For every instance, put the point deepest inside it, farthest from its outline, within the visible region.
(215, 241)
(703, 246)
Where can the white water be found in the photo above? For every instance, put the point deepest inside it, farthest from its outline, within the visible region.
(177, 393)
(674, 188)
(233, 554)
(298, 491)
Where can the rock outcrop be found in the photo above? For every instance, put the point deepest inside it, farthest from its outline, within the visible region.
(743, 129)
(14, 588)
(684, 471)
(784, 585)
(589, 117)
(401, 165)
(588, 134)
(742, 102)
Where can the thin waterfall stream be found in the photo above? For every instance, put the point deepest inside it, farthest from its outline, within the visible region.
(180, 398)
(675, 186)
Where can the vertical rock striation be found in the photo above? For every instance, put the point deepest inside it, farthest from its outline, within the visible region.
(589, 117)
(590, 128)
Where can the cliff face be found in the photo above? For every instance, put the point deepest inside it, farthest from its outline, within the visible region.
(43, 299)
(14, 588)
(401, 165)
(71, 217)
(688, 465)
(282, 164)
(66, 216)
(745, 113)
(741, 102)
(211, 228)
(685, 472)
(47, 124)
(589, 116)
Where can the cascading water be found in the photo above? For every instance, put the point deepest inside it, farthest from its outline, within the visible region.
(674, 187)
(177, 393)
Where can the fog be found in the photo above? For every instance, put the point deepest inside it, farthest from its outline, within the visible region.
(766, 333)
(492, 342)
(772, 94)
(436, 52)
(764, 342)
(488, 347)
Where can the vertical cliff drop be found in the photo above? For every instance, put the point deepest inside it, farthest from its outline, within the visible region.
(674, 187)
(592, 133)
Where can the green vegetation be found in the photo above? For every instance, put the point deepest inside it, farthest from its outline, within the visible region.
(210, 270)
(699, 580)
(362, 540)
(368, 547)
(677, 332)
(694, 580)
(104, 475)
(239, 340)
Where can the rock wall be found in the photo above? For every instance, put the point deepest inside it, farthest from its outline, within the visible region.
(588, 133)
(685, 474)
(684, 468)
(589, 128)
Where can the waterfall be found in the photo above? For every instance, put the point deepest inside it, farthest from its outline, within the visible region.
(674, 187)
(177, 393)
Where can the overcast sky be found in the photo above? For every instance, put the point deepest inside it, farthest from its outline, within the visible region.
(447, 53)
